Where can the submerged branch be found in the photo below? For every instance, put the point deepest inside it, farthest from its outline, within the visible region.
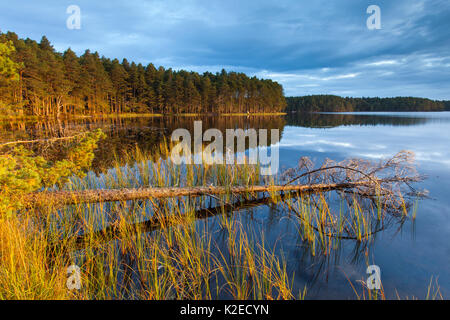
(114, 231)
(41, 140)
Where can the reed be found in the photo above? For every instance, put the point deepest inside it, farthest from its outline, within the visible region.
(158, 248)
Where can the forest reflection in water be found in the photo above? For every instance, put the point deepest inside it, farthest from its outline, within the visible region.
(124, 134)
(324, 274)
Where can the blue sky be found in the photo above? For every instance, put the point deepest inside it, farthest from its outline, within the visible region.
(310, 47)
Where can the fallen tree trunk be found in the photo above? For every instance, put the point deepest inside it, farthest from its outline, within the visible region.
(61, 198)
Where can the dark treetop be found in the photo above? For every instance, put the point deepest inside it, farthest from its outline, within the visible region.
(330, 103)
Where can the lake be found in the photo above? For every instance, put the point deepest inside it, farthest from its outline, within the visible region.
(409, 254)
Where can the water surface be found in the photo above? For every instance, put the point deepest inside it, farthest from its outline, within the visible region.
(408, 255)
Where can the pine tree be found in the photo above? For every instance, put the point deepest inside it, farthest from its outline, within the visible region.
(54, 84)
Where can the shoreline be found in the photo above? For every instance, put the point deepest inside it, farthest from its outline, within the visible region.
(160, 115)
(138, 115)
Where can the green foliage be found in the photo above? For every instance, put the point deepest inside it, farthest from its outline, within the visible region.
(330, 103)
(447, 105)
(8, 68)
(54, 84)
(22, 172)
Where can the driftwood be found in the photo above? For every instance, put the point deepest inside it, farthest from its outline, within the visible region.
(61, 198)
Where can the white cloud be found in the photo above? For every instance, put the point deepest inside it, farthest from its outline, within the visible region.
(383, 63)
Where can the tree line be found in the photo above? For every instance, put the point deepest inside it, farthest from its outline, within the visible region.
(332, 103)
(50, 83)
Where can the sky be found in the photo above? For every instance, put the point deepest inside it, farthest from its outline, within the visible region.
(310, 47)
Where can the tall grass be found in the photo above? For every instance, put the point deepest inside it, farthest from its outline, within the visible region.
(25, 272)
(177, 260)
(160, 249)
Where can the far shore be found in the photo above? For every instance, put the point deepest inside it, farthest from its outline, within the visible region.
(139, 115)
(159, 115)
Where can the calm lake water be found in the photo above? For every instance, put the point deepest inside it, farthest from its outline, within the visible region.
(408, 255)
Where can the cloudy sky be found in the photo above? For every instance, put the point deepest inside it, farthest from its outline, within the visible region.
(311, 47)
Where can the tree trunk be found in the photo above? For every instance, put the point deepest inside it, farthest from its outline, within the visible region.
(61, 198)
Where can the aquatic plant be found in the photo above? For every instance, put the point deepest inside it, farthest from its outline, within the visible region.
(163, 248)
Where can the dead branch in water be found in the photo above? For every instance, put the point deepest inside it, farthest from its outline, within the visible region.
(355, 176)
(61, 198)
(381, 184)
(154, 223)
(390, 178)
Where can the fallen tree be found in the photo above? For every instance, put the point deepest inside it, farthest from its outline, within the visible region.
(359, 177)
(358, 182)
(61, 198)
